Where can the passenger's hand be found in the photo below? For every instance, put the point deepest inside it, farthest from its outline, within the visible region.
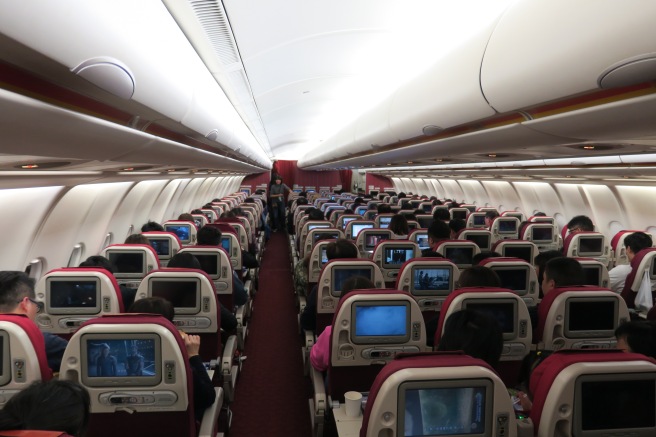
(192, 342)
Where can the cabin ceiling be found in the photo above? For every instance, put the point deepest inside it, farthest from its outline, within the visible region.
(368, 84)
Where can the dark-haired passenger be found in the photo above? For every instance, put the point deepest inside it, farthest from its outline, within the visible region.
(399, 227)
(152, 226)
(17, 297)
(437, 231)
(54, 405)
(634, 243)
(456, 225)
(637, 337)
(580, 223)
(562, 272)
(98, 261)
(476, 334)
(490, 216)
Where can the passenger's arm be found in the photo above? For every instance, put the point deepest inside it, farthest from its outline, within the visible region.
(55, 347)
(309, 314)
(320, 352)
(238, 291)
(203, 389)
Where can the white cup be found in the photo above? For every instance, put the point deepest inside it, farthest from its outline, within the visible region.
(353, 403)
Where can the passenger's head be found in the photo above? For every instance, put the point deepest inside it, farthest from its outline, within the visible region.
(55, 405)
(208, 236)
(489, 217)
(315, 214)
(137, 239)
(356, 283)
(580, 223)
(399, 225)
(98, 261)
(635, 242)
(152, 226)
(478, 276)
(184, 260)
(562, 272)
(442, 214)
(456, 225)
(438, 231)
(476, 334)
(342, 248)
(186, 217)
(541, 260)
(384, 208)
(476, 259)
(301, 201)
(638, 337)
(153, 305)
(17, 294)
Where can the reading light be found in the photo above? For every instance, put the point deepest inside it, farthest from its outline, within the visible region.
(128, 169)
(492, 155)
(30, 166)
(588, 147)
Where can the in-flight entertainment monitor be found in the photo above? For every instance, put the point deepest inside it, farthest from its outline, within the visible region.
(5, 359)
(210, 263)
(518, 251)
(342, 273)
(516, 278)
(226, 243)
(481, 240)
(479, 220)
(542, 235)
(615, 404)
(128, 263)
(425, 221)
(461, 407)
(318, 226)
(183, 231)
(357, 227)
(373, 238)
(395, 256)
(459, 255)
(592, 274)
(502, 310)
(384, 322)
(183, 293)
(162, 246)
(325, 235)
(121, 359)
(384, 221)
(323, 256)
(591, 317)
(591, 245)
(507, 226)
(422, 241)
(459, 214)
(73, 295)
(429, 280)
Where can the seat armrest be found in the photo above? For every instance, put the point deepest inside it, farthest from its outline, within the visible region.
(228, 371)
(209, 424)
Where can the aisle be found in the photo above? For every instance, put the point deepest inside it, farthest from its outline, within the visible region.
(272, 393)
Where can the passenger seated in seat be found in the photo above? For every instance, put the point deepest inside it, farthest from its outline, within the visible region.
(137, 239)
(476, 259)
(490, 216)
(185, 216)
(562, 272)
(634, 243)
(399, 227)
(211, 236)
(17, 297)
(476, 334)
(54, 405)
(186, 260)
(98, 261)
(442, 215)
(456, 225)
(341, 248)
(437, 231)
(320, 352)
(638, 337)
(541, 260)
(203, 388)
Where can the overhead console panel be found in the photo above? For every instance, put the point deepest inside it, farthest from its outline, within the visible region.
(543, 51)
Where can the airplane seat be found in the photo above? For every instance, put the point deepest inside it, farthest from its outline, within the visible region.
(643, 264)
(166, 245)
(579, 317)
(73, 295)
(186, 231)
(514, 320)
(23, 357)
(309, 225)
(369, 328)
(368, 239)
(517, 214)
(238, 226)
(344, 219)
(459, 213)
(594, 392)
(587, 245)
(318, 259)
(541, 219)
(419, 236)
(521, 249)
(476, 220)
(160, 401)
(543, 235)
(429, 281)
(460, 252)
(200, 220)
(402, 398)
(197, 312)
(383, 220)
(595, 272)
(482, 237)
(318, 233)
(230, 243)
(505, 228)
(618, 250)
(132, 262)
(354, 227)
(211, 214)
(389, 256)
(517, 275)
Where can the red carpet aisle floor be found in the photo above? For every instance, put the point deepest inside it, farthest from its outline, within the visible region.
(272, 393)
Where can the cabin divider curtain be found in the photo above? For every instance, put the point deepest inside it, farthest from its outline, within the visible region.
(345, 177)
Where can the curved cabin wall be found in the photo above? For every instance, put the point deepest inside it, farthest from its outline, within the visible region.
(611, 207)
(47, 222)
